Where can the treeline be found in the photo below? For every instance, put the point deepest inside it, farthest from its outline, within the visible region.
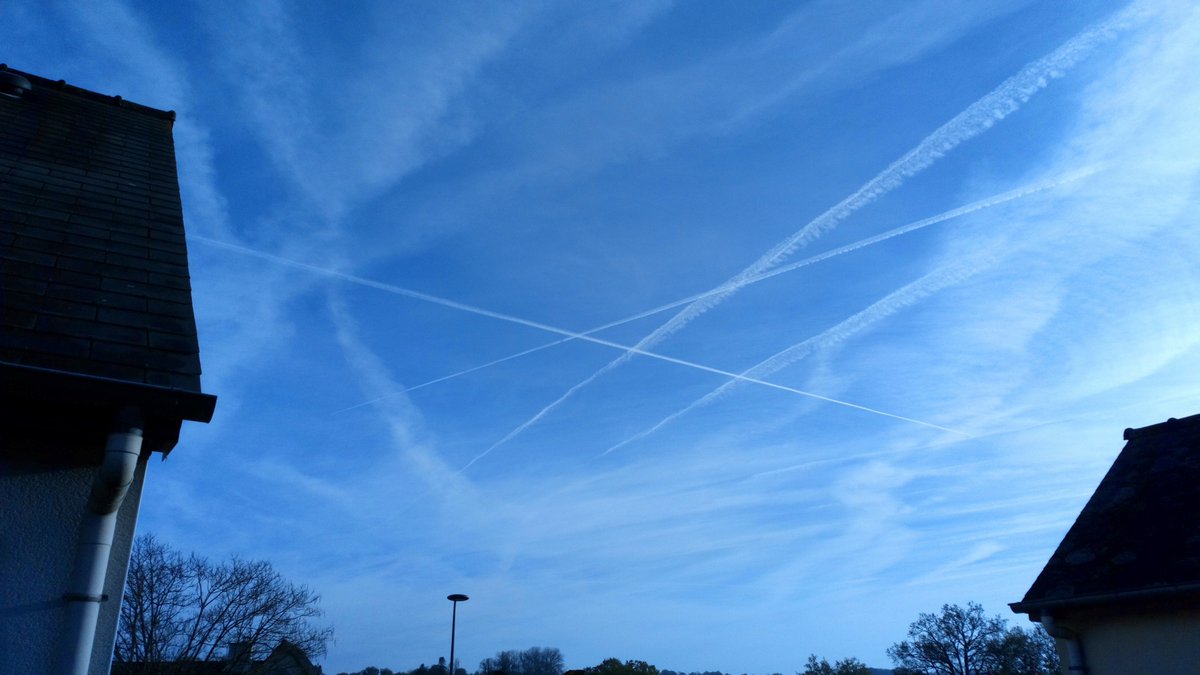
(438, 669)
(956, 641)
(959, 641)
(180, 610)
(532, 661)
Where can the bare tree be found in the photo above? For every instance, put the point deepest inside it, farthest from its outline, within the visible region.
(179, 609)
(542, 661)
(965, 641)
(954, 642)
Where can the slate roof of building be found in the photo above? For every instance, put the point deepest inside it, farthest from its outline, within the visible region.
(1139, 534)
(93, 262)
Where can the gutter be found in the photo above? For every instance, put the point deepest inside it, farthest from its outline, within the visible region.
(1036, 607)
(58, 387)
(86, 589)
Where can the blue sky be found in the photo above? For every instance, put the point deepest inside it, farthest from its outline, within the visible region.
(847, 430)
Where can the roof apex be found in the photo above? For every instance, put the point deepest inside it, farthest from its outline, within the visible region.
(61, 85)
(1132, 540)
(1170, 424)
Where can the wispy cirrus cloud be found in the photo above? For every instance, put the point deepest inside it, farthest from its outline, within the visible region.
(138, 64)
(652, 113)
(403, 420)
(343, 131)
(600, 123)
(1120, 226)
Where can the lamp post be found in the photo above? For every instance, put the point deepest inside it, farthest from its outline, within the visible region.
(454, 598)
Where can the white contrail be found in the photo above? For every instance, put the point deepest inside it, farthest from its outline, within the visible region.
(392, 288)
(409, 293)
(994, 200)
(740, 377)
(974, 120)
(881, 309)
(986, 203)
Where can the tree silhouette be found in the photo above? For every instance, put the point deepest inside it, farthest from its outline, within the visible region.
(849, 666)
(615, 667)
(532, 661)
(178, 609)
(965, 641)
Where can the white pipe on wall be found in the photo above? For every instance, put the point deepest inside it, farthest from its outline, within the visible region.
(1075, 664)
(86, 589)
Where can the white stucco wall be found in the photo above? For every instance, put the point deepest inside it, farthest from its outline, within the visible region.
(41, 510)
(1159, 641)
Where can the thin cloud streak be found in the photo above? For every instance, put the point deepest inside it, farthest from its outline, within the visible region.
(974, 120)
(740, 378)
(425, 297)
(994, 200)
(894, 302)
(322, 143)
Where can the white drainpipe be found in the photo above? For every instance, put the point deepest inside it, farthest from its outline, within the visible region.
(1075, 662)
(86, 590)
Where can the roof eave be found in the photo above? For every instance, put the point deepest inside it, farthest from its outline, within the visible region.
(31, 382)
(1035, 608)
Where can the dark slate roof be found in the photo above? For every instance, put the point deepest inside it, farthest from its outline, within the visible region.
(93, 263)
(1139, 534)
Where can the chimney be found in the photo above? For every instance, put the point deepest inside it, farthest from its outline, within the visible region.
(238, 655)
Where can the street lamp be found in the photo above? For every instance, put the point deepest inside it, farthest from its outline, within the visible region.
(454, 598)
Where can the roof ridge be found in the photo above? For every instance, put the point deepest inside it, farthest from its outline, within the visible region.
(61, 85)
(1170, 424)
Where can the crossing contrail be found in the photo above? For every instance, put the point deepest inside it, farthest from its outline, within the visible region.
(881, 309)
(426, 297)
(740, 377)
(979, 205)
(972, 121)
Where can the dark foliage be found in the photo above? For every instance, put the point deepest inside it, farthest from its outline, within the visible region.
(615, 667)
(848, 666)
(532, 661)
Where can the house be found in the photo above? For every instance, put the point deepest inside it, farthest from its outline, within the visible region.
(1121, 594)
(99, 360)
